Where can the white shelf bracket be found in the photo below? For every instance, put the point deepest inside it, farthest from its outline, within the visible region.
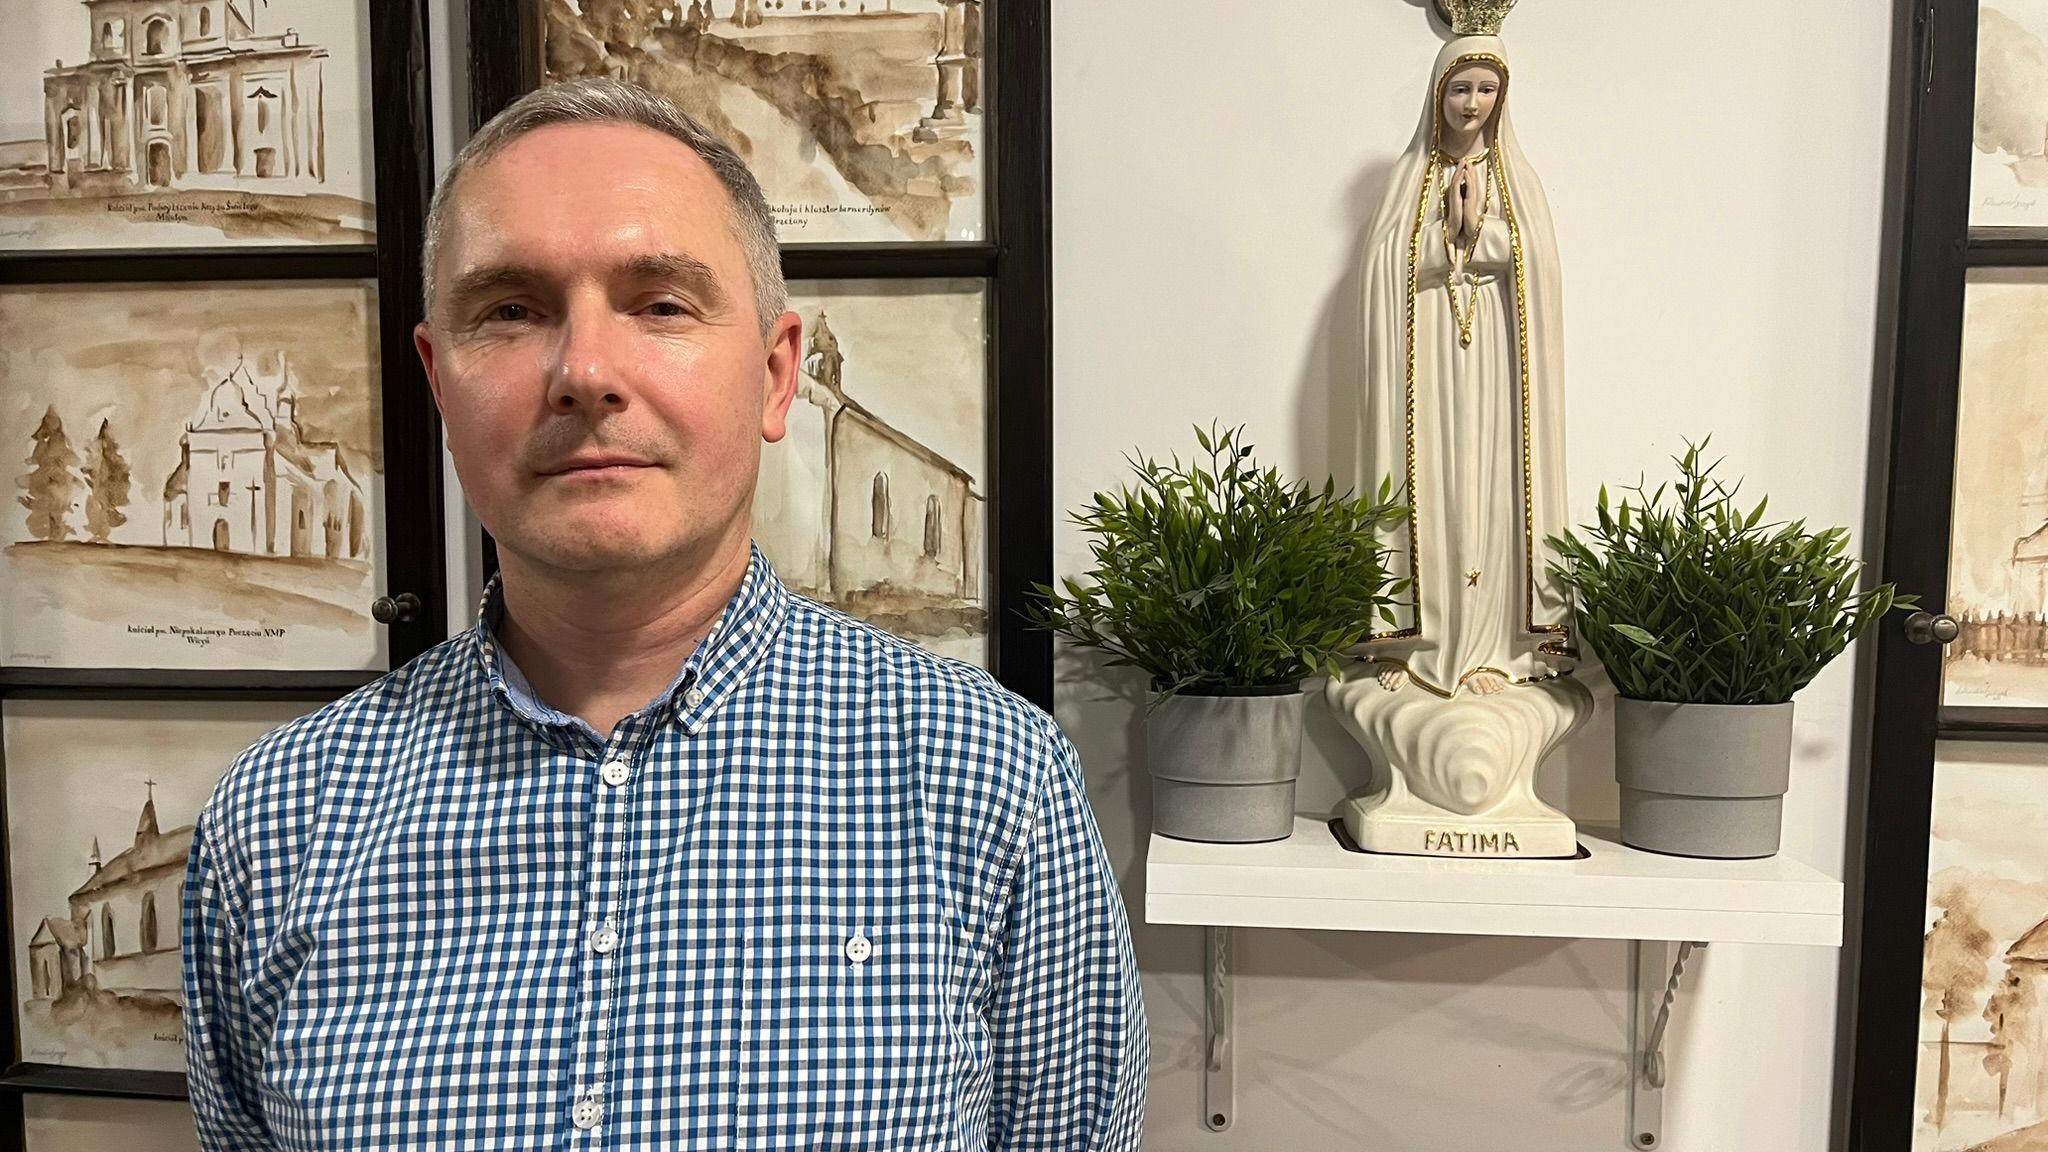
(1657, 968)
(1219, 1084)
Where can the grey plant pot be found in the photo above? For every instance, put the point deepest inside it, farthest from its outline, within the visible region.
(1702, 779)
(1224, 765)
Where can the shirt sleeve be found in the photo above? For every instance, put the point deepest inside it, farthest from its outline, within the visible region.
(220, 1063)
(1067, 1015)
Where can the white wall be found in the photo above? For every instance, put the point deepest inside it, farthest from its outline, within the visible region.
(1715, 172)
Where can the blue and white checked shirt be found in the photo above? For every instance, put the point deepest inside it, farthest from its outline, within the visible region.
(827, 892)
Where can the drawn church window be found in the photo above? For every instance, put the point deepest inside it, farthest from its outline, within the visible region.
(878, 507)
(220, 498)
(153, 34)
(206, 21)
(73, 142)
(264, 100)
(110, 36)
(149, 922)
(156, 102)
(932, 527)
(106, 931)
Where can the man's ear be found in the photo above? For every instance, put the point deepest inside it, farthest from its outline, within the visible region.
(423, 342)
(778, 375)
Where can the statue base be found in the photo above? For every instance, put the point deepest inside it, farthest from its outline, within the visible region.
(1462, 771)
(1539, 836)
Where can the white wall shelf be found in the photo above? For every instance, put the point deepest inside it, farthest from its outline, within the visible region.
(1616, 893)
(1667, 906)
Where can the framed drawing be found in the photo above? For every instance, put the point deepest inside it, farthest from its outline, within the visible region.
(101, 800)
(1996, 670)
(204, 409)
(876, 501)
(201, 465)
(861, 119)
(1945, 1048)
(2008, 168)
(903, 146)
(204, 124)
(1981, 1081)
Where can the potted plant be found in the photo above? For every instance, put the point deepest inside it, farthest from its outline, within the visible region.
(1709, 620)
(1228, 586)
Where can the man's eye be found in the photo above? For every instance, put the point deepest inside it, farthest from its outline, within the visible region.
(667, 308)
(511, 313)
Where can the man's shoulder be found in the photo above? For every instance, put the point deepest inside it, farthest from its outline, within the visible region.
(951, 697)
(287, 769)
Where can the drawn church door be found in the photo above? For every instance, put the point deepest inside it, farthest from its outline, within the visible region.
(159, 164)
(220, 535)
(213, 135)
(265, 103)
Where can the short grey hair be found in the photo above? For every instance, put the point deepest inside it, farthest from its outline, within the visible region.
(599, 100)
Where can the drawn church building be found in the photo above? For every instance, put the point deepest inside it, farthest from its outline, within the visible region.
(184, 94)
(849, 507)
(122, 931)
(248, 481)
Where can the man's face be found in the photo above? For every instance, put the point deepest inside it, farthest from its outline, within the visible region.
(595, 353)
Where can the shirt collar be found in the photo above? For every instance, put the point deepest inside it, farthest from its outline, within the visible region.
(742, 633)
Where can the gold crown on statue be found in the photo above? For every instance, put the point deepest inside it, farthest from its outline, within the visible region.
(1474, 17)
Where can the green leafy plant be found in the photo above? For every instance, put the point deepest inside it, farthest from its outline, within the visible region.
(1218, 574)
(1697, 601)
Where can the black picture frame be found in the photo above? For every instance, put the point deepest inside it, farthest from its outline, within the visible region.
(1015, 262)
(1930, 250)
(412, 556)
(402, 145)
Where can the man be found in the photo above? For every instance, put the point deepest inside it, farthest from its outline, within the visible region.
(658, 855)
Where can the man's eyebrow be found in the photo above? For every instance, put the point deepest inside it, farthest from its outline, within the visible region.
(688, 273)
(492, 277)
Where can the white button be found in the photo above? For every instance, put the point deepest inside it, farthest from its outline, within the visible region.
(588, 1112)
(616, 772)
(693, 697)
(603, 940)
(858, 949)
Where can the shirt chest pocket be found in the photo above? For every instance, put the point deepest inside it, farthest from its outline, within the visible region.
(851, 1041)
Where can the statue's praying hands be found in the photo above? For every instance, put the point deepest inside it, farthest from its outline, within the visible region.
(1465, 203)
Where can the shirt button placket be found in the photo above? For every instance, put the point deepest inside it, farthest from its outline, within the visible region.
(603, 937)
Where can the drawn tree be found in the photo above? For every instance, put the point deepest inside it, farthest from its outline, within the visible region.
(2011, 1012)
(106, 475)
(51, 482)
(1957, 949)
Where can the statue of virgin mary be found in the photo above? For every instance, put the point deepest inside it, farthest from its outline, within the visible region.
(1464, 408)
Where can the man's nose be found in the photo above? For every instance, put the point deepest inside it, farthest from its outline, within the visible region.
(585, 373)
